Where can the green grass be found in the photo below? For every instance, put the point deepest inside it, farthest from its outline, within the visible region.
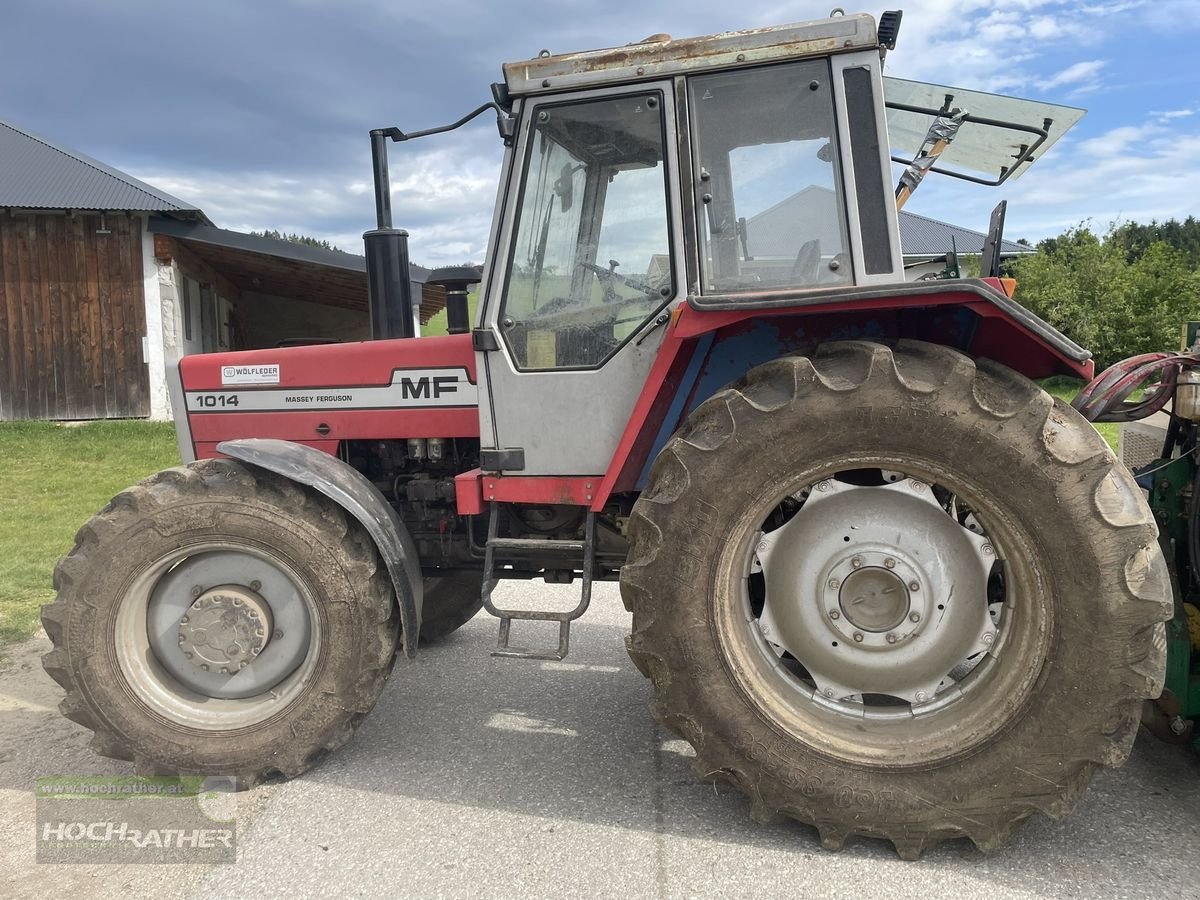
(52, 478)
(1066, 388)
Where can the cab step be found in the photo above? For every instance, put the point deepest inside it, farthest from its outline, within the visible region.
(576, 554)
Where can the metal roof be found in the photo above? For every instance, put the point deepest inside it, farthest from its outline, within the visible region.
(921, 236)
(253, 243)
(40, 174)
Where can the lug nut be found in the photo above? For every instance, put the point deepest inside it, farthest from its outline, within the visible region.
(834, 584)
(988, 637)
(890, 563)
(256, 585)
(914, 586)
(762, 548)
(829, 693)
(987, 550)
(834, 614)
(891, 638)
(856, 562)
(921, 697)
(858, 637)
(914, 617)
(278, 633)
(822, 486)
(197, 591)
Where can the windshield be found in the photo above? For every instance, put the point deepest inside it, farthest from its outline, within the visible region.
(591, 257)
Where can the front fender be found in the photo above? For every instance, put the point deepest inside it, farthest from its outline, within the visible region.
(348, 488)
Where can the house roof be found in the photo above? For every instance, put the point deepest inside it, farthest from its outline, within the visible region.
(922, 236)
(811, 214)
(40, 174)
(285, 268)
(253, 243)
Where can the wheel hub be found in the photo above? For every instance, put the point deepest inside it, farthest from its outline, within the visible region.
(225, 629)
(874, 599)
(876, 590)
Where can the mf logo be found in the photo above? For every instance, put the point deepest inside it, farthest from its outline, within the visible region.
(427, 386)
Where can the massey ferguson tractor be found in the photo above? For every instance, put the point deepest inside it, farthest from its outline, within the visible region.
(880, 580)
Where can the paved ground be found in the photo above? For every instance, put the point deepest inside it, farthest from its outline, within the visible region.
(477, 777)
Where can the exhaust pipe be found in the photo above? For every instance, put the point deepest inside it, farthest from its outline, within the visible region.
(389, 282)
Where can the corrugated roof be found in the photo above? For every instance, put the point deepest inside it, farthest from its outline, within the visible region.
(253, 243)
(922, 236)
(40, 174)
(809, 214)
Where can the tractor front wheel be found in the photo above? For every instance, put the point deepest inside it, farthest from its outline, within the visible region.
(450, 603)
(218, 619)
(896, 593)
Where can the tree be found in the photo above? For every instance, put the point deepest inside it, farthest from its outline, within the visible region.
(307, 241)
(1090, 289)
(1184, 236)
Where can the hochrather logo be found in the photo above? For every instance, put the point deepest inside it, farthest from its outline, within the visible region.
(136, 819)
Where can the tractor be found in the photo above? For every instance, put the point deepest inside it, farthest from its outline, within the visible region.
(882, 582)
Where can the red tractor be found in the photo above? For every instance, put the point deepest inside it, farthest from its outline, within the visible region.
(881, 581)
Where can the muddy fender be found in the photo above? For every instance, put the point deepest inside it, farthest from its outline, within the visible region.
(351, 490)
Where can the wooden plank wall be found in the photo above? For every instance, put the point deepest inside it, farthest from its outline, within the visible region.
(72, 317)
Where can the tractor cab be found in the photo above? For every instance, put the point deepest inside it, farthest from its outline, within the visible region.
(728, 172)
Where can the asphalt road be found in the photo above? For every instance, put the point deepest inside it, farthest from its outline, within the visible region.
(480, 777)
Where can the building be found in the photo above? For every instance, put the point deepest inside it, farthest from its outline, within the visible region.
(774, 233)
(104, 278)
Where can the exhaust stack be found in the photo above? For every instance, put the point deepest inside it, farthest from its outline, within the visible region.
(389, 282)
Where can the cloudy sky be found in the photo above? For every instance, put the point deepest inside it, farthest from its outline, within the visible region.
(257, 111)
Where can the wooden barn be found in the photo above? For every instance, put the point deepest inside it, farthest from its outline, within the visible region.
(105, 280)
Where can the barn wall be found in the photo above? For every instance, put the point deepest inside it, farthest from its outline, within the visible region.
(265, 320)
(71, 317)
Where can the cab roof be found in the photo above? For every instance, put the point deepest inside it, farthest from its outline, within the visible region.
(661, 55)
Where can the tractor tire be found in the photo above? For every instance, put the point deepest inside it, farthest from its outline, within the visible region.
(1062, 595)
(450, 603)
(218, 619)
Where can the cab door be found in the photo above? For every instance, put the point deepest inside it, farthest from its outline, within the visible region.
(587, 262)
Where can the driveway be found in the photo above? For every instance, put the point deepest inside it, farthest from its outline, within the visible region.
(480, 777)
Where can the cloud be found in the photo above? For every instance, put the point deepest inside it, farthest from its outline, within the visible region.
(263, 121)
(1080, 73)
(1130, 172)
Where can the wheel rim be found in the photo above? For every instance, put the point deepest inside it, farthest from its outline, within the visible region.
(830, 639)
(218, 636)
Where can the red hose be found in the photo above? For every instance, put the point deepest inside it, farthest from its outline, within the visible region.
(1105, 398)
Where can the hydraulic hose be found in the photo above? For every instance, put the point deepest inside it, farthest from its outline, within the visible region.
(1105, 398)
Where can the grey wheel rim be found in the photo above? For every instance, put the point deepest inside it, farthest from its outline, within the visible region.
(218, 636)
(881, 595)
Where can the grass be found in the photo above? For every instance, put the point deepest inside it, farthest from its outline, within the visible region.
(52, 478)
(1066, 388)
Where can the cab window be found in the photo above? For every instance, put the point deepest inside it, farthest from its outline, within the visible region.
(768, 189)
(592, 255)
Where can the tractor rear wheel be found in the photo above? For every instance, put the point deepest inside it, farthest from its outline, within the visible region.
(896, 593)
(218, 619)
(450, 603)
